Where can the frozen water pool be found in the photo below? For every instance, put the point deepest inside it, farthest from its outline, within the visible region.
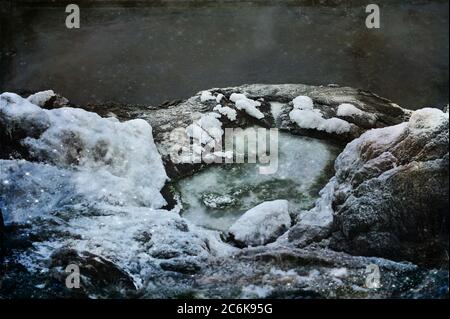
(217, 196)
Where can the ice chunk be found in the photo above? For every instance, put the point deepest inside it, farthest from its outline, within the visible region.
(262, 224)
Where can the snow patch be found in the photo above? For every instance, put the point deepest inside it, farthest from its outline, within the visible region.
(313, 119)
(40, 98)
(303, 102)
(247, 105)
(227, 111)
(98, 159)
(349, 110)
(206, 96)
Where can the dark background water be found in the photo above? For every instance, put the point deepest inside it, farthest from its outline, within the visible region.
(152, 53)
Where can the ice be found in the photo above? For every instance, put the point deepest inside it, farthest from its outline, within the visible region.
(301, 162)
(262, 224)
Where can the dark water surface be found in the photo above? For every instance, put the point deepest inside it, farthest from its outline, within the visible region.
(146, 55)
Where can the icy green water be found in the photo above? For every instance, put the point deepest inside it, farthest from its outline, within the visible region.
(217, 196)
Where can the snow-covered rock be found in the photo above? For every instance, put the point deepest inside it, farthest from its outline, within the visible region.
(271, 105)
(391, 191)
(262, 224)
(109, 161)
(79, 181)
(40, 98)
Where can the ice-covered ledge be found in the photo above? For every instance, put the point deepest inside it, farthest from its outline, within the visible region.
(189, 250)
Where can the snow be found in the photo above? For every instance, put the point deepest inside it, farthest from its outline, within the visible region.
(234, 97)
(313, 119)
(307, 119)
(255, 291)
(247, 105)
(322, 212)
(375, 142)
(98, 183)
(206, 96)
(276, 109)
(40, 98)
(335, 125)
(347, 109)
(108, 161)
(207, 129)
(262, 223)
(219, 97)
(425, 119)
(303, 102)
(227, 111)
(338, 272)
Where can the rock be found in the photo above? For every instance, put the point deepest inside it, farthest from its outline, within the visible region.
(261, 224)
(97, 275)
(389, 198)
(178, 115)
(181, 266)
(2, 240)
(303, 235)
(391, 194)
(285, 271)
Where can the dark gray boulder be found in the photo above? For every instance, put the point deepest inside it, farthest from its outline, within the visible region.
(391, 194)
